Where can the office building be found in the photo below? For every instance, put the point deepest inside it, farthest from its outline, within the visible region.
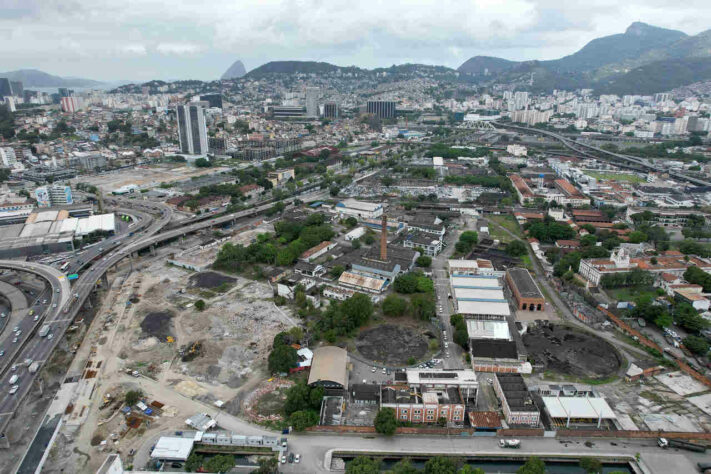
(17, 88)
(381, 108)
(53, 195)
(288, 111)
(192, 130)
(5, 87)
(330, 110)
(312, 101)
(213, 100)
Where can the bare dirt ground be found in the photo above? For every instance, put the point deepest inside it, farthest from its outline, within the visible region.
(571, 351)
(235, 330)
(391, 345)
(147, 175)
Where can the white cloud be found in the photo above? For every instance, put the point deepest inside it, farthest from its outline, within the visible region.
(150, 39)
(178, 49)
(134, 49)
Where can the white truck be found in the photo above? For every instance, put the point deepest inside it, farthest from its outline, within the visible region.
(14, 379)
(44, 330)
(509, 443)
(34, 367)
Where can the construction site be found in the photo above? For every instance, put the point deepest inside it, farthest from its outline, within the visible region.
(145, 176)
(149, 341)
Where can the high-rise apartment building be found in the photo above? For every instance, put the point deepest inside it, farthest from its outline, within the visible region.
(381, 108)
(8, 157)
(192, 130)
(330, 110)
(312, 101)
(70, 104)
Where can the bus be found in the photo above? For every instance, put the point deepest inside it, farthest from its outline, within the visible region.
(64, 266)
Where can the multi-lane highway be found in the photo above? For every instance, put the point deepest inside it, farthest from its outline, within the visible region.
(31, 347)
(70, 300)
(584, 148)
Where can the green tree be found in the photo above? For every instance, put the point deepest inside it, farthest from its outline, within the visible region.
(424, 261)
(200, 305)
(516, 248)
(193, 462)
(393, 305)
(363, 465)
(688, 318)
(533, 465)
(202, 163)
(351, 222)
(336, 271)
(696, 344)
(282, 358)
(403, 467)
(302, 419)
(268, 465)
(467, 469)
(132, 397)
(406, 283)
(385, 421)
(636, 237)
(219, 463)
(440, 465)
(358, 309)
(591, 465)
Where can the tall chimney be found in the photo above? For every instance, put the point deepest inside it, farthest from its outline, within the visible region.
(384, 239)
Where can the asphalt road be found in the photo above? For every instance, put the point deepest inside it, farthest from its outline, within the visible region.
(35, 347)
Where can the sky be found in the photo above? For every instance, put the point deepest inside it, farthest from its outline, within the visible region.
(140, 40)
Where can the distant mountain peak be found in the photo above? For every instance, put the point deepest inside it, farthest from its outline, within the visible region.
(37, 78)
(235, 71)
(639, 28)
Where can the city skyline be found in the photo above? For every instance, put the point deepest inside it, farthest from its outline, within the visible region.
(109, 42)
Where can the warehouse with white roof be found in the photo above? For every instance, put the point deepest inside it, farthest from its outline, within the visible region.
(565, 411)
(479, 296)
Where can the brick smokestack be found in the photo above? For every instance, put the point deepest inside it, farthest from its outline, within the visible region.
(384, 239)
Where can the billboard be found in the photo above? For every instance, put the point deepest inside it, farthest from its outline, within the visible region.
(42, 196)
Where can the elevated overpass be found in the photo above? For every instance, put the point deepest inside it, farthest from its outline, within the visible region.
(588, 150)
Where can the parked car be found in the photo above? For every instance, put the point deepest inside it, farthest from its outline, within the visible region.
(297, 458)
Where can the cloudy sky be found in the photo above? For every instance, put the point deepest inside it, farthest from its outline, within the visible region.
(199, 39)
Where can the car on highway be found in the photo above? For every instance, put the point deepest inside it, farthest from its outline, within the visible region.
(50, 336)
(16, 328)
(54, 305)
(36, 317)
(14, 389)
(2, 353)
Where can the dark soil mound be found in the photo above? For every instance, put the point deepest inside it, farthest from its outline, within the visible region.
(391, 345)
(158, 324)
(210, 280)
(571, 351)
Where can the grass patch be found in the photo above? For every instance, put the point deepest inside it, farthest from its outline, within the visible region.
(509, 223)
(631, 293)
(497, 233)
(628, 177)
(526, 259)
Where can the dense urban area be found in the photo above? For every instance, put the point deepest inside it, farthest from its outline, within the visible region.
(310, 268)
